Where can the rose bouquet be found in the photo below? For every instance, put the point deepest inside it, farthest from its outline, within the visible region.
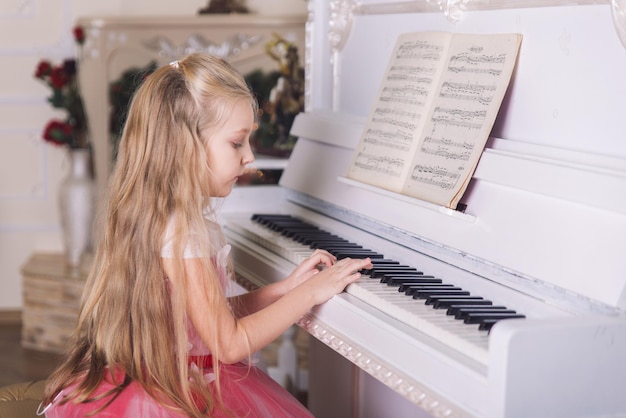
(63, 81)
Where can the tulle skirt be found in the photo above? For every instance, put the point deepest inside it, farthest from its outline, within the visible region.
(246, 392)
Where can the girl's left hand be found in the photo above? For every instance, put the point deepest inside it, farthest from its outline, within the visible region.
(309, 267)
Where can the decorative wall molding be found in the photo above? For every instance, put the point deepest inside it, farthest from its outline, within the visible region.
(31, 186)
(30, 16)
(11, 9)
(228, 48)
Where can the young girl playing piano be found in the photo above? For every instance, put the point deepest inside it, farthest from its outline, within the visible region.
(157, 335)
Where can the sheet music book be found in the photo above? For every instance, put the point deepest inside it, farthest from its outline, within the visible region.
(434, 112)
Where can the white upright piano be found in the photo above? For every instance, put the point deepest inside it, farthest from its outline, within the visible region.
(543, 232)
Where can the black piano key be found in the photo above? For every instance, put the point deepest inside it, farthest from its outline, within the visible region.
(377, 273)
(281, 226)
(300, 229)
(477, 318)
(266, 217)
(445, 303)
(423, 280)
(441, 293)
(433, 289)
(410, 290)
(454, 309)
(392, 267)
(411, 286)
(315, 234)
(376, 268)
(329, 240)
(316, 242)
(314, 231)
(352, 250)
(466, 312)
(387, 277)
(379, 263)
(355, 254)
(346, 247)
(487, 324)
(293, 233)
(384, 262)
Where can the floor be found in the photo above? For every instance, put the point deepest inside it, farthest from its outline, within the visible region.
(18, 364)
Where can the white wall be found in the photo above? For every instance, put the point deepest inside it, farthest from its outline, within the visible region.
(30, 170)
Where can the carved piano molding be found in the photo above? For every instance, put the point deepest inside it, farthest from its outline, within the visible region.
(342, 11)
(618, 11)
(430, 402)
(115, 44)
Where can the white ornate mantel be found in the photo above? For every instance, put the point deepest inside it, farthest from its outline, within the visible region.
(115, 44)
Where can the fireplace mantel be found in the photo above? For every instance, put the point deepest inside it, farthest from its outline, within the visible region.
(115, 44)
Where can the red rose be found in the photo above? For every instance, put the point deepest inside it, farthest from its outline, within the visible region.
(44, 68)
(69, 67)
(57, 132)
(79, 35)
(58, 77)
(65, 95)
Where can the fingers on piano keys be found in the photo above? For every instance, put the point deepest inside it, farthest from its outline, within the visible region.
(426, 289)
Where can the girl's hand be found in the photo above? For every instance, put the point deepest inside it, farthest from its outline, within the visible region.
(320, 259)
(332, 280)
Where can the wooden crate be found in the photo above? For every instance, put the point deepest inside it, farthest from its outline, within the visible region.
(52, 293)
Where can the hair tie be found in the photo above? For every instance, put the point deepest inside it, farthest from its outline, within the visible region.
(174, 64)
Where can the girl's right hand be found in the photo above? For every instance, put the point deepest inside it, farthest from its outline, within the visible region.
(333, 279)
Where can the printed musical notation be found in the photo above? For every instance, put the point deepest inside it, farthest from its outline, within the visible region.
(447, 149)
(479, 93)
(381, 165)
(396, 140)
(435, 175)
(420, 50)
(459, 118)
(434, 112)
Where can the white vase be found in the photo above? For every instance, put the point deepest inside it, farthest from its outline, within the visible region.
(77, 206)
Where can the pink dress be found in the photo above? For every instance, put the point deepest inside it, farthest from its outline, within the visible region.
(246, 391)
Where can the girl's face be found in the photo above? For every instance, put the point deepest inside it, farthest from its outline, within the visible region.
(229, 150)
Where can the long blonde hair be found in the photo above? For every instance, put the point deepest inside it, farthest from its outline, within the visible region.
(130, 318)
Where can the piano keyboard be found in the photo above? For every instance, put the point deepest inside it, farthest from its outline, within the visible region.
(426, 303)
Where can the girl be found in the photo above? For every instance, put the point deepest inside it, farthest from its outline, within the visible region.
(157, 336)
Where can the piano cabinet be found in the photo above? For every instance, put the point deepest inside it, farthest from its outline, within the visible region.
(545, 213)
